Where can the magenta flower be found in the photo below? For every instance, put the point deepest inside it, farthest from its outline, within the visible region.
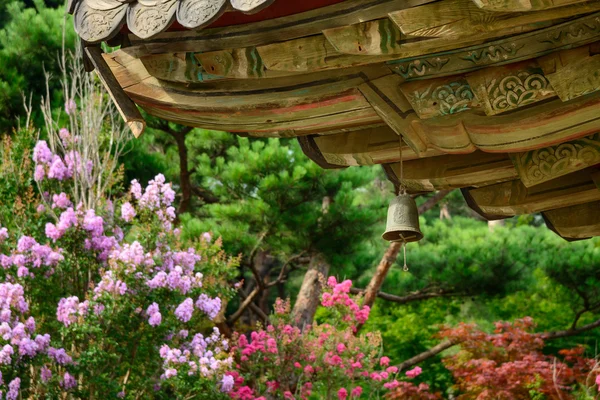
(356, 392)
(413, 373)
(342, 394)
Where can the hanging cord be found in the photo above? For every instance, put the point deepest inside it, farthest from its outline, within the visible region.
(402, 190)
(405, 268)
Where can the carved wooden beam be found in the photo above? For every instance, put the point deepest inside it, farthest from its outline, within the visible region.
(541, 165)
(518, 47)
(439, 97)
(513, 198)
(506, 88)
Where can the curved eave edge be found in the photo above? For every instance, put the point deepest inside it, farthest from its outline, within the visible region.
(100, 20)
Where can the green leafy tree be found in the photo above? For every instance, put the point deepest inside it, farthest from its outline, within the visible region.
(30, 43)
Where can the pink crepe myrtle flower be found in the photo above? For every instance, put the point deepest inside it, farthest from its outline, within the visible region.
(384, 361)
(391, 385)
(3, 234)
(598, 382)
(342, 394)
(356, 392)
(127, 212)
(61, 201)
(413, 373)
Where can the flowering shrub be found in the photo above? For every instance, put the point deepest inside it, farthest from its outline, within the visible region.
(321, 361)
(119, 294)
(509, 364)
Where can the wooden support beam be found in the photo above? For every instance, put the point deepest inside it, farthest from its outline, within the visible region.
(385, 97)
(541, 165)
(463, 18)
(574, 72)
(522, 5)
(455, 171)
(576, 222)
(126, 107)
(178, 67)
(376, 145)
(519, 47)
(312, 151)
(513, 198)
(377, 37)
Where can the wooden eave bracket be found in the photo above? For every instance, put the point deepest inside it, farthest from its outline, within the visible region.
(127, 108)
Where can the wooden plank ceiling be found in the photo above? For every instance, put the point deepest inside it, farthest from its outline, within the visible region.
(499, 98)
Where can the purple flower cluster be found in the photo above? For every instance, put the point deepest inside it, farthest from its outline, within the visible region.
(18, 336)
(185, 310)
(154, 315)
(68, 381)
(69, 309)
(53, 166)
(31, 254)
(157, 197)
(210, 307)
(3, 234)
(60, 356)
(199, 356)
(13, 389)
(61, 201)
(110, 285)
(127, 212)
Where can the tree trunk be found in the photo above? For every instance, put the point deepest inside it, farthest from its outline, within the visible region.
(184, 174)
(310, 292)
(384, 266)
(390, 256)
